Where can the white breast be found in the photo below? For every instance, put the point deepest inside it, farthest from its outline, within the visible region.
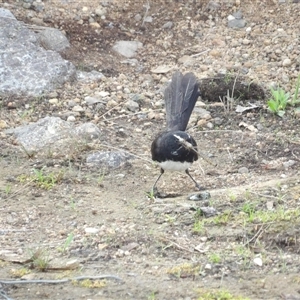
(174, 165)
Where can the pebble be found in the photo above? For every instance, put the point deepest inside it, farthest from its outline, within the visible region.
(78, 108)
(71, 119)
(91, 230)
(91, 100)
(167, 25)
(243, 170)
(71, 103)
(53, 101)
(210, 125)
(132, 105)
(286, 62)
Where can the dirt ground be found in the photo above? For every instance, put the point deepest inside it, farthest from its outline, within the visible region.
(61, 219)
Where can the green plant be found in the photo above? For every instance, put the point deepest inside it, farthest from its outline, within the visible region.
(199, 227)
(42, 180)
(8, 189)
(249, 209)
(278, 102)
(152, 296)
(295, 99)
(151, 195)
(214, 258)
(39, 259)
(223, 218)
(218, 295)
(67, 243)
(100, 179)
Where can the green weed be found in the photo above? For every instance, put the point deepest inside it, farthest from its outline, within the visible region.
(67, 243)
(42, 180)
(277, 104)
(218, 295)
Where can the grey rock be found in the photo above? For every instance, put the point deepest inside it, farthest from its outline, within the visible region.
(100, 11)
(25, 67)
(212, 6)
(148, 19)
(108, 159)
(39, 7)
(289, 163)
(132, 105)
(286, 62)
(218, 121)
(138, 17)
(130, 61)
(167, 25)
(202, 113)
(4, 13)
(53, 39)
(92, 100)
(127, 48)
(238, 15)
(237, 23)
(243, 170)
(199, 196)
(208, 211)
(87, 131)
(52, 134)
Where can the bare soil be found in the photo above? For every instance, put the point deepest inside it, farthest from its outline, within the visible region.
(95, 222)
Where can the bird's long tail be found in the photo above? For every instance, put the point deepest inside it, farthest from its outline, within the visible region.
(180, 99)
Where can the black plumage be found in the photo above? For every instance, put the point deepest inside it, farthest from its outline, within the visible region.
(174, 149)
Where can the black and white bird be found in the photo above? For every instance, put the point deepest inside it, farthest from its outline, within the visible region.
(174, 149)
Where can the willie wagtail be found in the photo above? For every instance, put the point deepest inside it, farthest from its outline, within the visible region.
(174, 149)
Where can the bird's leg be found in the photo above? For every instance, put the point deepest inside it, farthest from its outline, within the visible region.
(161, 172)
(196, 183)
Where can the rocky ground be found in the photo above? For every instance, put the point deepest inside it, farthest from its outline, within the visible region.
(61, 218)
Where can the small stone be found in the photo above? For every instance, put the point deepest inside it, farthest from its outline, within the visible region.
(238, 14)
(53, 101)
(103, 94)
(132, 105)
(215, 53)
(138, 17)
(236, 23)
(3, 124)
(71, 119)
(285, 78)
(199, 196)
(100, 11)
(186, 60)
(210, 125)
(258, 261)
(207, 267)
(208, 211)
(111, 103)
(91, 100)
(167, 25)
(95, 25)
(78, 108)
(71, 103)
(218, 121)
(243, 170)
(91, 230)
(286, 62)
(289, 163)
(148, 19)
(201, 122)
(246, 42)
